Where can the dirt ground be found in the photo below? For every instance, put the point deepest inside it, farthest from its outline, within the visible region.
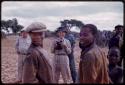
(9, 58)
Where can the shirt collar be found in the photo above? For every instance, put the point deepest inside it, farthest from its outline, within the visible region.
(88, 48)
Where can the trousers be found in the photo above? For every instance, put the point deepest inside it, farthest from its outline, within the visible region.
(61, 65)
(21, 59)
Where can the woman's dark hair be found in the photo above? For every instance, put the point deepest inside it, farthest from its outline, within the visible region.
(92, 27)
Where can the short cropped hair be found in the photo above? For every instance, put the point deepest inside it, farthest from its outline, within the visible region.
(114, 51)
(92, 27)
(118, 27)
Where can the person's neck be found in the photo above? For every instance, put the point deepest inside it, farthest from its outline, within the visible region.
(37, 45)
(117, 34)
(88, 47)
(112, 65)
(23, 37)
(61, 37)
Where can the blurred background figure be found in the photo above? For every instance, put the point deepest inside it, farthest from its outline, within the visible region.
(117, 41)
(71, 38)
(115, 71)
(61, 48)
(22, 44)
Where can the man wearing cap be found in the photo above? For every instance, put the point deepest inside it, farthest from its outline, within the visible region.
(22, 44)
(61, 48)
(37, 66)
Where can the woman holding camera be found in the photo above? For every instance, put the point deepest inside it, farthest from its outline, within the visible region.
(61, 48)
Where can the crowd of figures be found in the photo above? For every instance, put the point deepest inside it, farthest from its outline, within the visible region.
(103, 38)
(35, 66)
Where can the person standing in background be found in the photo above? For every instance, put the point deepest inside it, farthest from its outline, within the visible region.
(71, 38)
(115, 71)
(22, 44)
(117, 41)
(61, 48)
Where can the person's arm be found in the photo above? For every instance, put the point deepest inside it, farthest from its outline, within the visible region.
(29, 41)
(67, 46)
(53, 47)
(73, 41)
(29, 72)
(17, 45)
(89, 72)
(120, 42)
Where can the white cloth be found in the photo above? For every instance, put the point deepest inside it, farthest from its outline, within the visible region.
(22, 44)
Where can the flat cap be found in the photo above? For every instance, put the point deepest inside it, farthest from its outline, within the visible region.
(36, 27)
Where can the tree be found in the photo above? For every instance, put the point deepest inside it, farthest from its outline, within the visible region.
(13, 24)
(71, 23)
(3, 35)
(4, 25)
(18, 28)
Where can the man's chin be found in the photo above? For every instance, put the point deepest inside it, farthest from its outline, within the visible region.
(37, 44)
(81, 45)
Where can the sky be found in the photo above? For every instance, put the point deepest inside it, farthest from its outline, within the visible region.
(105, 15)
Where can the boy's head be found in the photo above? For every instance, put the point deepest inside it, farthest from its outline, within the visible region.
(36, 31)
(61, 32)
(119, 29)
(23, 33)
(114, 56)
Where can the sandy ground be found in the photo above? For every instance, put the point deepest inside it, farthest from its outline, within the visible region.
(9, 58)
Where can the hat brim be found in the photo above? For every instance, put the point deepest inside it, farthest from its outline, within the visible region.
(43, 30)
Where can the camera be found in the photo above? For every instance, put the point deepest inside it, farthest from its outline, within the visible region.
(59, 45)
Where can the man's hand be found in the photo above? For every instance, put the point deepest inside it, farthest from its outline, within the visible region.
(63, 45)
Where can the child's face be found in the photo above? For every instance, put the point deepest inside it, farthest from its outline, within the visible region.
(113, 59)
(61, 34)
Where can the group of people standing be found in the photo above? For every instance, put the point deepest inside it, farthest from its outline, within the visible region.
(115, 55)
(35, 66)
